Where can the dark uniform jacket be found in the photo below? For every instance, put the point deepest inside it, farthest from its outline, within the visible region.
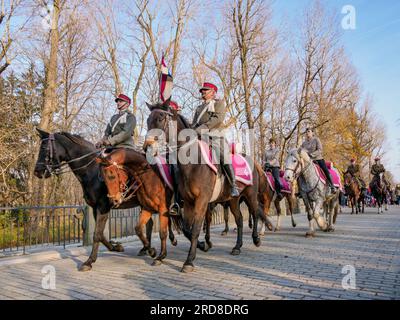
(377, 169)
(120, 130)
(353, 169)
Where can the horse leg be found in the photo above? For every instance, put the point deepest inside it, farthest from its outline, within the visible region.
(266, 204)
(331, 207)
(234, 206)
(356, 203)
(208, 226)
(144, 217)
(311, 232)
(226, 219)
(101, 220)
(278, 213)
(193, 219)
(149, 232)
(171, 235)
(250, 197)
(316, 214)
(164, 221)
(250, 222)
(290, 207)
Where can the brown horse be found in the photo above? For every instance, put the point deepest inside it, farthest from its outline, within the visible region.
(266, 195)
(118, 169)
(60, 150)
(196, 185)
(353, 190)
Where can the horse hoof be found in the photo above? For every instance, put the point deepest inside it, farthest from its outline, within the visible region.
(294, 225)
(85, 267)
(269, 226)
(235, 252)
(156, 262)
(202, 246)
(174, 243)
(152, 252)
(224, 233)
(118, 248)
(209, 244)
(310, 235)
(187, 268)
(262, 234)
(142, 252)
(257, 242)
(277, 229)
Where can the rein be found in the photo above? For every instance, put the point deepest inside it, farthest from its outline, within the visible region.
(129, 190)
(60, 168)
(298, 174)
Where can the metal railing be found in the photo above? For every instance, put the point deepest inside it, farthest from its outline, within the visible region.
(23, 228)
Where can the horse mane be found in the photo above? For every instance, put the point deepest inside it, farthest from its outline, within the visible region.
(303, 154)
(77, 139)
(162, 107)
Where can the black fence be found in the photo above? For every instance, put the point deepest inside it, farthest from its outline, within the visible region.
(24, 229)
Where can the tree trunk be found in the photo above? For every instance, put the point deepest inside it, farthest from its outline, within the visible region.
(50, 98)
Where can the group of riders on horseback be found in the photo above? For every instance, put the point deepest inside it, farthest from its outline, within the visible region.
(124, 175)
(209, 117)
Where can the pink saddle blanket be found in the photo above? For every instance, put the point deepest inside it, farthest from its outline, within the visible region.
(334, 174)
(243, 172)
(286, 187)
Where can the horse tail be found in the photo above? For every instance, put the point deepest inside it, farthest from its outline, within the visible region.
(177, 221)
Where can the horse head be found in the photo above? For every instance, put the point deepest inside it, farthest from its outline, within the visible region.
(115, 177)
(347, 179)
(163, 124)
(51, 154)
(295, 162)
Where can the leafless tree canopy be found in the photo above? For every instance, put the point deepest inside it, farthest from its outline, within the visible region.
(62, 62)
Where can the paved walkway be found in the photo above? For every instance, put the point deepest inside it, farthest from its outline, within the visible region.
(286, 266)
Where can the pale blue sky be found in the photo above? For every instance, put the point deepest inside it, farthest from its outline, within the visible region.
(374, 48)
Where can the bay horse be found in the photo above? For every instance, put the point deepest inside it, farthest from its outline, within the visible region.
(197, 181)
(354, 192)
(152, 193)
(266, 195)
(379, 191)
(64, 149)
(314, 192)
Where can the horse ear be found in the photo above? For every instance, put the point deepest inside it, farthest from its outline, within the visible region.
(165, 105)
(149, 106)
(42, 133)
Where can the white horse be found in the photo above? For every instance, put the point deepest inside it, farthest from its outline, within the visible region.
(315, 193)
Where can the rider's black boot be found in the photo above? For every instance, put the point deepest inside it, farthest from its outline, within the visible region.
(231, 175)
(175, 208)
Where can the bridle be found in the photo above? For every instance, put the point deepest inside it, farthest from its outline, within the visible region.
(296, 174)
(53, 165)
(128, 189)
(299, 163)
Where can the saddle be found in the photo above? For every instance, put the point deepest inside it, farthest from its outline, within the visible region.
(242, 169)
(334, 174)
(286, 187)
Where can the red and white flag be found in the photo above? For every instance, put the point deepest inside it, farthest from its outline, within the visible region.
(166, 82)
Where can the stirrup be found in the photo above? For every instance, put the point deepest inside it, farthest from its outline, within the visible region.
(175, 209)
(235, 192)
